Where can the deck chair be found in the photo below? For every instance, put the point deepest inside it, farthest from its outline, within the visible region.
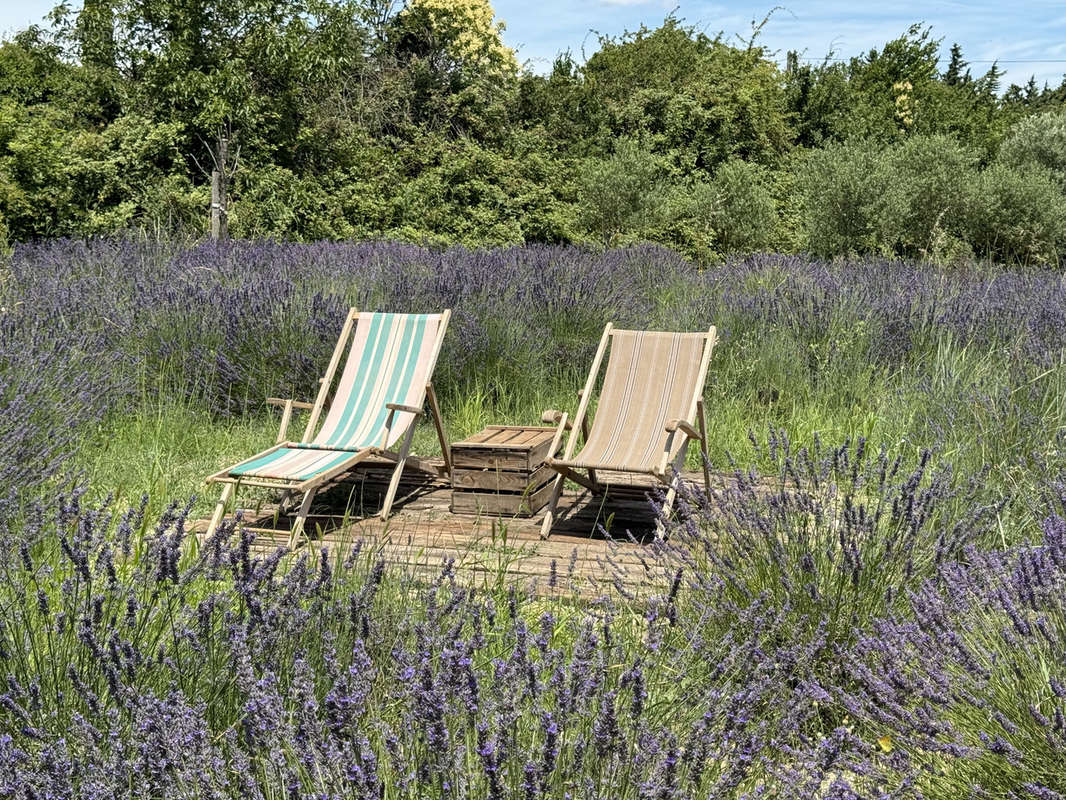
(650, 405)
(386, 381)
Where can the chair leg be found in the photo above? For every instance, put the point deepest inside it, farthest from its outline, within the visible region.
(438, 423)
(701, 416)
(220, 508)
(671, 493)
(394, 484)
(668, 506)
(549, 515)
(301, 518)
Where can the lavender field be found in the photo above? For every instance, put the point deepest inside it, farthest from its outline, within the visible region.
(888, 621)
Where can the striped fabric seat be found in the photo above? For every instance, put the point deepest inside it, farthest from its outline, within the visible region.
(390, 360)
(649, 406)
(649, 381)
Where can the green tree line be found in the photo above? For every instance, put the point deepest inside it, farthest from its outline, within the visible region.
(336, 119)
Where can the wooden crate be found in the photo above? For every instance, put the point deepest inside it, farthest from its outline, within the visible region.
(501, 471)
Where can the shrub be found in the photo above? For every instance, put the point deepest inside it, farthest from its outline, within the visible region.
(925, 181)
(734, 213)
(1018, 214)
(137, 669)
(834, 539)
(622, 194)
(1039, 140)
(839, 187)
(745, 216)
(968, 683)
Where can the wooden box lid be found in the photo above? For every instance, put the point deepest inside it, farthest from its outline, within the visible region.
(504, 447)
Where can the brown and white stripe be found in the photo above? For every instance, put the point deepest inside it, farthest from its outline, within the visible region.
(651, 378)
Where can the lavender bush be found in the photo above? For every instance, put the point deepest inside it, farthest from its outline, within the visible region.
(853, 621)
(969, 680)
(883, 349)
(135, 669)
(836, 536)
(139, 665)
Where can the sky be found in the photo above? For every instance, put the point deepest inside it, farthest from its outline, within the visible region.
(1010, 32)
(1027, 37)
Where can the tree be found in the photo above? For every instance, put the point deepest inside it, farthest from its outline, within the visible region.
(1038, 141)
(621, 194)
(954, 75)
(690, 97)
(466, 31)
(905, 65)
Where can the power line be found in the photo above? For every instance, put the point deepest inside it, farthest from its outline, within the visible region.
(973, 61)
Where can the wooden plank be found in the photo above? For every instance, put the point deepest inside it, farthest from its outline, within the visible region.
(531, 437)
(506, 504)
(476, 438)
(517, 427)
(517, 440)
(489, 459)
(505, 438)
(602, 559)
(539, 451)
(501, 458)
(495, 480)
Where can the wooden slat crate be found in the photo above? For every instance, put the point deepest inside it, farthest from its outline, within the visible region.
(501, 471)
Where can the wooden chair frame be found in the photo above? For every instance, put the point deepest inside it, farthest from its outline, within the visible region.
(667, 471)
(310, 487)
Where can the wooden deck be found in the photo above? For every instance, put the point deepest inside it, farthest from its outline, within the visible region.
(422, 535)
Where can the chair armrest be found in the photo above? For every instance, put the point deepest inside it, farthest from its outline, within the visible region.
(401, 407)
(286, 405)
(552, 417)
(682, 425)
(281, 402)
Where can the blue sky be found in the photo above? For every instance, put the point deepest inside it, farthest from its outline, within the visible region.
(1027, 30)
(1032, 31)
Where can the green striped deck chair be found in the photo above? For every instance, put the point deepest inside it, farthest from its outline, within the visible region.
(650, 404)
(386, 380)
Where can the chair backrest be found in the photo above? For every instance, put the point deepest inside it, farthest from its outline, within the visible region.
(390, 360)
(651, 378)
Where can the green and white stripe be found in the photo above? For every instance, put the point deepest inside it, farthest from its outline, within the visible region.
(389, 361)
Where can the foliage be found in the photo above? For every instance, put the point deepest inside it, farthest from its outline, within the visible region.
(1019, 215)
(839, 185)
(877, 617)
(621, 193)
(467, 29)
(347, 119)
(694, 98)
(1038, 141)
(925, 180)
(924, 197)
(746, 216)
(807, 345)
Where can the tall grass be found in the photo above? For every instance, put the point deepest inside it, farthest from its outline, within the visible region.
(867, 604)
(967, 363)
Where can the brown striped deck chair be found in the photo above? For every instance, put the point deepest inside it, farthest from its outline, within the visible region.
(386, 381)
(650, 405)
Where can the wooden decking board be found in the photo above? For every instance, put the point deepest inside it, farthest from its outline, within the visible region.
(422, 535)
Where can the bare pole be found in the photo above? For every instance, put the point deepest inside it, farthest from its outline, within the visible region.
(216, 204)
(219, 198)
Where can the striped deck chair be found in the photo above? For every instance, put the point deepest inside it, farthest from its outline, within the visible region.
(386, 380)
(649, 406)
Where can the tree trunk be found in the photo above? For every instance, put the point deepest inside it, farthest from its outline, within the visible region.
(219, 195)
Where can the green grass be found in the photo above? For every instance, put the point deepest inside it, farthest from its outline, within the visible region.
(953, 399)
